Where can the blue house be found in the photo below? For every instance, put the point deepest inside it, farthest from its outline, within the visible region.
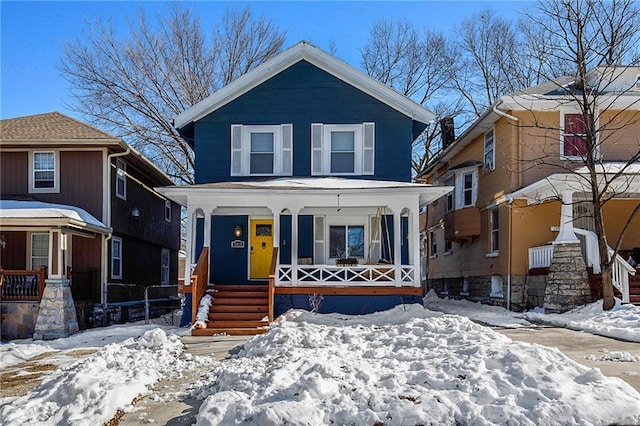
(303, 194)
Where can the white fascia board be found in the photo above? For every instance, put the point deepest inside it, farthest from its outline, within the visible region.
(315, 56)
(52, 223)
(554, 103)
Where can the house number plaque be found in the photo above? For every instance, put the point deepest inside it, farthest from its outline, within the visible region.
(237, 244)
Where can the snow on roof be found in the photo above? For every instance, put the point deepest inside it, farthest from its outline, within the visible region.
(329, 183)
(11, 209)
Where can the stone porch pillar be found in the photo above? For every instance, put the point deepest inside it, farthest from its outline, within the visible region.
(566, 234)
(57, 315)
(568, 282)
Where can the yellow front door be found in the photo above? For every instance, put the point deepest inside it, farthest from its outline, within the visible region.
(261, 248)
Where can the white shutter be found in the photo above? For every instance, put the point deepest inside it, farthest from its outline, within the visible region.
(459, 191)
(316, 149)
(318, 240)
(287, 149)
(236, 149)
(368, 148)
(474, 186)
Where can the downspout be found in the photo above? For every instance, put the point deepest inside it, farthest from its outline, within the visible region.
(103, 295)
(510, 234)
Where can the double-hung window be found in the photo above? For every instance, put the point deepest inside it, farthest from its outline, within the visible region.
(450, 195)
(495, 230)
(574, 135)
(39, 250)
(167, 210)
(346, 241)
(342, 149)
(489, 151)
(121, 179)
(466, 188)
(433, 247)
(165, 259)
(262, 150)
(44, 172)
(116, 258)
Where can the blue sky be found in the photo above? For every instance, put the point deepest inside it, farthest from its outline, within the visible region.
(32, 34)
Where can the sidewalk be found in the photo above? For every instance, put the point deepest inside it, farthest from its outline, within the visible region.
(170, 403)
(584, 348)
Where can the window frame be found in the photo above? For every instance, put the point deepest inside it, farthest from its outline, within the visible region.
(167, 210)
(358, 143)
(568, 112)
(347, 250)
(30, 255)
(450, 204)
(433, 244)
(278, 153)
(464, 190)
(165, 269)
(121, 176)
(494, 228)
(489, 167)
(56, 172)
(364, 148)
(113, 275)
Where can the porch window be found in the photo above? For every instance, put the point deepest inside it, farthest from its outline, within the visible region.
(39, 250)
(262, 150)
(121, 179)
(44, 174)
(165, 259)
(467, 189)
(495, 227)
(346, 241)
(489, 152)
(342, 149)
(574, 135)
(116, 258)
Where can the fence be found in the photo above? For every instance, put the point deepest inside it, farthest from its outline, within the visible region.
(130, 302)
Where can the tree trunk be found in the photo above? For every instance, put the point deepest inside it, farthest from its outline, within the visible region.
(608, 301)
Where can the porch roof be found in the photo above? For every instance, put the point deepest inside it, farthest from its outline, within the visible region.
(622, 179)
(307, 186)
(14, 213)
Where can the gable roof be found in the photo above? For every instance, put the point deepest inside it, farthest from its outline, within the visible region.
(317, 57)
(50, 126)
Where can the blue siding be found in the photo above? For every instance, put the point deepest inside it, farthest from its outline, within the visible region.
(228, 265)
(304, 94)
(199, 238)
(305, 236)
(285, 240)
(404, 249)
(350, 305)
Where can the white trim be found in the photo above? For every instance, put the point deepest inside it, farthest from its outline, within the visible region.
(326, 62)
(113, 275)
(167, 210)
(56, 172)
(121, 174)
(321, 147)
(244, 151)
(30, 249)
(492, 164)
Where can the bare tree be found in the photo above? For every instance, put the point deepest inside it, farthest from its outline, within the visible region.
(595, 38)
(133, 85)
(413, 63)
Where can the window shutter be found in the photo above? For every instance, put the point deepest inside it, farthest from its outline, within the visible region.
(287, 149)
(474, 185)
(316, 149)
(236, 149)
(318, 237)
(459, 191)
(368, 151)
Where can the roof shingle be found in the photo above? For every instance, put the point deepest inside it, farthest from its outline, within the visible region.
(49, 126)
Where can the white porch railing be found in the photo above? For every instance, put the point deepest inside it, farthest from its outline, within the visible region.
(540, 257)
(331, 275)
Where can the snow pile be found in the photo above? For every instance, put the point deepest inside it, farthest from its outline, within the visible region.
(91, 390)
(410, 366)
(614, 356)
(203, 311)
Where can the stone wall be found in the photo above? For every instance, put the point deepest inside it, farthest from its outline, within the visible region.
(568, 282)
(18, 319)
(479, 290)
(536, 286)
(57, 315)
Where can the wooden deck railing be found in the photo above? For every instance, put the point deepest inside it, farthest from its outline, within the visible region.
(272, 281)
(199, 282)
(22, 285)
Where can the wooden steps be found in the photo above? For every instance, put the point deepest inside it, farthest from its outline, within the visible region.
(634, 288)
(237, 310)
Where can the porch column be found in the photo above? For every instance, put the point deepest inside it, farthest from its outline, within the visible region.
(414, 243)
(566, 234)
(294, 246)
(397, 242)
(191, 228)
(208, 214)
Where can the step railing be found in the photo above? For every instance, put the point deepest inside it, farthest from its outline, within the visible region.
(272, 281)
(360, 275)
(22, 285)
(199, 282)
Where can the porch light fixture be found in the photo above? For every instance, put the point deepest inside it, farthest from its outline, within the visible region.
(237, 231)
(135, 212)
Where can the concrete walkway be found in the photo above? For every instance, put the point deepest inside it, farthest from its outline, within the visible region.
(580, 346)
(170, 403)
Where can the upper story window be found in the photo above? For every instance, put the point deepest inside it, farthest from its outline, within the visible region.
(450, 196)
(116, 258)
(262, 150)
(489, 151)
(573, 141)
(342, 149)
(44, 173)
(121, 179)
(433, 244)
(465, 193)
(495, 230)
(167, 210)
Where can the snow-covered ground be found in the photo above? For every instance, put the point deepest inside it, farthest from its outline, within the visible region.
(409, 365)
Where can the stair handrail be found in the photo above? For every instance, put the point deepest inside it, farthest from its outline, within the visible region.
(272, 281)
(199, 282)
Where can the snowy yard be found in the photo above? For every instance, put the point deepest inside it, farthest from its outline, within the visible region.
(409, 365)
